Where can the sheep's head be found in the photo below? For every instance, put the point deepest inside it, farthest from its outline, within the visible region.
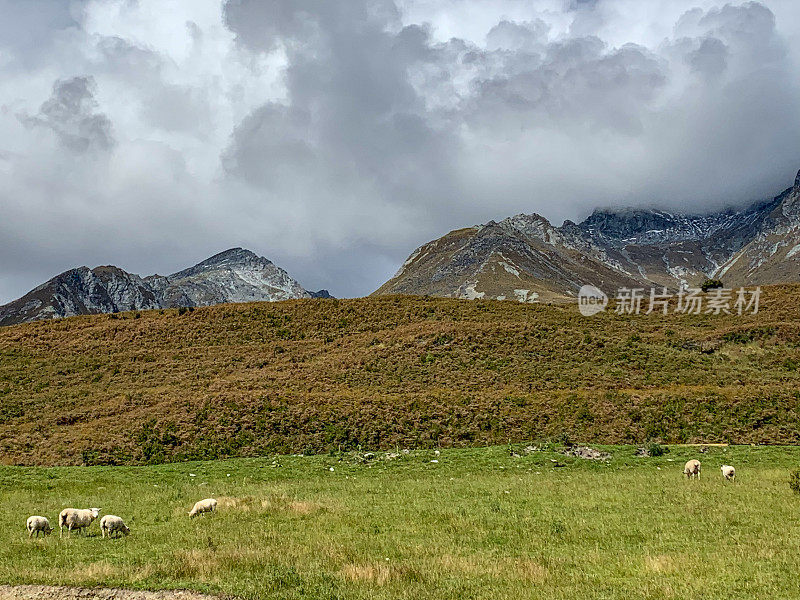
(125, 529)
(95, 512)
(48, 530)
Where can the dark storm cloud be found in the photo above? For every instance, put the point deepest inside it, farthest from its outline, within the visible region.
(353, 117)
(334, 137)
(71, 114)
(570, 118)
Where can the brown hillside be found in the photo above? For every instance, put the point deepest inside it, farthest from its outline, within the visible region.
(314, 375)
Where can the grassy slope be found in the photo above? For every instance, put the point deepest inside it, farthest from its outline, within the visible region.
(479, 524)
(310, 376)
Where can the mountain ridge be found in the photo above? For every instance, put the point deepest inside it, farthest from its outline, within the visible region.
(234, 275)
(525, 257)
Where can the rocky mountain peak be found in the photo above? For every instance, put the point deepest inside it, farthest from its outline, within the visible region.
(628, 222)
(533, 225)
(233, 255)
(235, 275)
(228, 259)
(525, 255)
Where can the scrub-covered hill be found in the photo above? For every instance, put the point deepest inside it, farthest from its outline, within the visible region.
(310, 375)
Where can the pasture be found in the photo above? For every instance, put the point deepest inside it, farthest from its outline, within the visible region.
(493, 522)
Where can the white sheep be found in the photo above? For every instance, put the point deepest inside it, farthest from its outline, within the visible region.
(112, 525)
(76, 518)
(692, 469)
(203, 506)
(36, 524)
(728, 472)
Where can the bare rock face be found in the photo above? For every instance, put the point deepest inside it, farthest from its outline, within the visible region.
(527, 259)
(81, 291)
(236, 275)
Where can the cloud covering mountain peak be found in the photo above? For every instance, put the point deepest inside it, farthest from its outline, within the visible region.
(333, 136)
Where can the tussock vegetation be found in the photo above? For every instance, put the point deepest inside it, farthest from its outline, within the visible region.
(313, 376)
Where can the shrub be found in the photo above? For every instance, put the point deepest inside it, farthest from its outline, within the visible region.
(711, 284)
(794, 481)
(154, 444)
(564, 439)
(654, 449)
(745, 336)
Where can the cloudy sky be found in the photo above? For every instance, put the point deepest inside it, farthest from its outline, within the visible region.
(336, 136)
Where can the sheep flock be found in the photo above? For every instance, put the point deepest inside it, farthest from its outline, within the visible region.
(112, 526)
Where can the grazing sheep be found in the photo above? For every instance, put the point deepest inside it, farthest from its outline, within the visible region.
(35, 524)
(692, 469)
(728, 472)
(76, 518)
(203, 506)
(112, 525)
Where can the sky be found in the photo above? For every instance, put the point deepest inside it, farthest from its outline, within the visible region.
(336, 137)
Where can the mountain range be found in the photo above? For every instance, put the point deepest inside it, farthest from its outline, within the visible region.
(523, 258)
(526, 258)
(236, 275)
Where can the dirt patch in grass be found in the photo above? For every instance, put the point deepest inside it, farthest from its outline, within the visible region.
(47, 592)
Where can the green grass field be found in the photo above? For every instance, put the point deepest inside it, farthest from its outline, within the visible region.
(480, 523)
